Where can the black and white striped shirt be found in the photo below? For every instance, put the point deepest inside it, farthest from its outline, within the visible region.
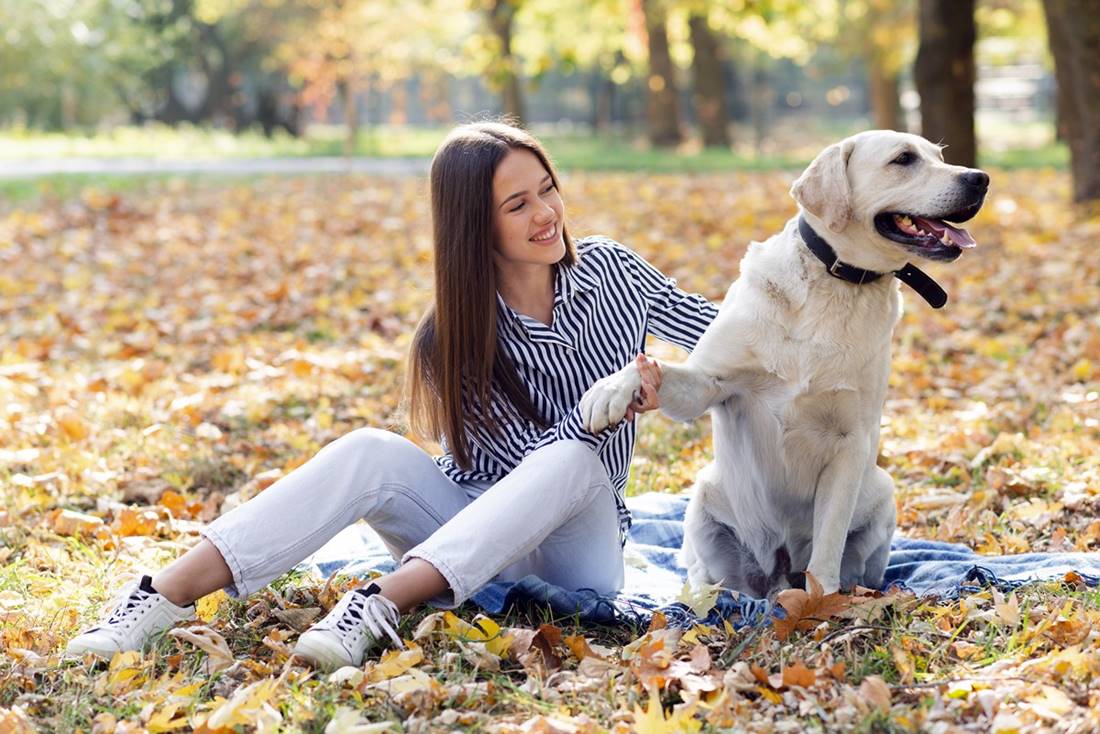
(604, 306)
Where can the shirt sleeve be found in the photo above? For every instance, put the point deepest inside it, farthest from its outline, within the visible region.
(674, 316)
(571, 427)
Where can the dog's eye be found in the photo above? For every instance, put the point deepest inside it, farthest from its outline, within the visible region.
(904, 159)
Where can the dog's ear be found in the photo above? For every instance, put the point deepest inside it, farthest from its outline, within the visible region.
(823, 188)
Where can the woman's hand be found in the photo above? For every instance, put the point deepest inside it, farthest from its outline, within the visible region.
(647, 399)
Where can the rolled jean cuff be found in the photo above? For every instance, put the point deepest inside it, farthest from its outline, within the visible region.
(238, 589)
(450, 599)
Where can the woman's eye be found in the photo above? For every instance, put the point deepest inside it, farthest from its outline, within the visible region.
(517, 207)
(904, 159)
(548, 189)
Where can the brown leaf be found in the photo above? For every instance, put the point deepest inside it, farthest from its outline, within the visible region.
(579, 647)
(874, 691)
(805, 610)
(300, 618)
(799, 675)
(219, 656)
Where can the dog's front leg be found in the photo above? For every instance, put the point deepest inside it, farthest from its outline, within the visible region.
(687, 392)
(834, 504)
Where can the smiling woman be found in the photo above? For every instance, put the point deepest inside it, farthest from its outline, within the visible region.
(523, 322)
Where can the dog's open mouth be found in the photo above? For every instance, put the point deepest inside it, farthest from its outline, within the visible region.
(934, 238)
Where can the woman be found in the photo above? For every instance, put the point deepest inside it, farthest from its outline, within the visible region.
(522, 324)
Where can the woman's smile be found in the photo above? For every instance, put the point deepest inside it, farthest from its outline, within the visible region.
(546, 235)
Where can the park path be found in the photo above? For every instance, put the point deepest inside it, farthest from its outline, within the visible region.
(35, 167)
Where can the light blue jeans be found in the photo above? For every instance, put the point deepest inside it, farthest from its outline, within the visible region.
(554, 516)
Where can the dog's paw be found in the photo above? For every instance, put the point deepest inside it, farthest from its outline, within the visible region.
(606, 402)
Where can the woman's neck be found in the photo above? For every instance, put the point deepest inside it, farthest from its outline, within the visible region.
(528, 290)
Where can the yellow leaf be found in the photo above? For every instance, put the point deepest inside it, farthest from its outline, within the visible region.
(247, 706)
(166, 720)
(206, 608)
(124, 673)
(700, 601)
(395, 662)
(1083, 370)
(483, 629)
(652, 719)
(72, 426)
(1050, 704)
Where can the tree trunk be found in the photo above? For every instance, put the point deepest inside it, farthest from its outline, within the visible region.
(885, 98)
(761, 101)
(709, 88)
(349, 93)
(944, 74)
(663, 108)
(506, 68)
(1074, 35)
(603, 100)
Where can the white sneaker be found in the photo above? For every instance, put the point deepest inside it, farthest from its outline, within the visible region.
(354, 625)
(138, 614)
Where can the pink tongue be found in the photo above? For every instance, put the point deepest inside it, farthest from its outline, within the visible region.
(960, 237)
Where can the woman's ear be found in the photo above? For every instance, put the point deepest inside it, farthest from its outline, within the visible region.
(823, 189)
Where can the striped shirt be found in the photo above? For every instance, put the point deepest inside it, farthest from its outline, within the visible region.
(604, 307)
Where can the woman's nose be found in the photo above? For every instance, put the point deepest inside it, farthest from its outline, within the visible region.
(545, 212)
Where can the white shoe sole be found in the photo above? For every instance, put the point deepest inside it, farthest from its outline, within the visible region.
(322, 652)
(80, 650)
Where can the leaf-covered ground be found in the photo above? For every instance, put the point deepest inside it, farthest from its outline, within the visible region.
(166, 353)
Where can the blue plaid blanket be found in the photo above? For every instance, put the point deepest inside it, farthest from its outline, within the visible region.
(654, 580)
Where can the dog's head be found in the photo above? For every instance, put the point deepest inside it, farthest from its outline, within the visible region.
(881, 197)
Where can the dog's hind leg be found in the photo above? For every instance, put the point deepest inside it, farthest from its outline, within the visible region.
(714, 554)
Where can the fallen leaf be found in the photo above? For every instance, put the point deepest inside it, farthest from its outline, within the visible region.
(874, 691)
(219, 656)
(799, 675)
(805, 610)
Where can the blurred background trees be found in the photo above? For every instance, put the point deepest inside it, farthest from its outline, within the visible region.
(673, 73)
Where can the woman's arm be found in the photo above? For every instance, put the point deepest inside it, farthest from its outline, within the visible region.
(674, 315)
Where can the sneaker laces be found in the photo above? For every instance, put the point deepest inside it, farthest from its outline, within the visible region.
(128, 601)
(377, 613)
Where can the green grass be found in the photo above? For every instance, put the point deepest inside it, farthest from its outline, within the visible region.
(1015, 146)
(791, 144)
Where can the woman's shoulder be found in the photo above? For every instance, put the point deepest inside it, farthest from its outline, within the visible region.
(602, 248)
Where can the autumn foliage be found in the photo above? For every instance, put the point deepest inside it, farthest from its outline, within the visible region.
(168, 353)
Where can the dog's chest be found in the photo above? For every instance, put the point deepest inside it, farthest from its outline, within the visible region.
(807, 359)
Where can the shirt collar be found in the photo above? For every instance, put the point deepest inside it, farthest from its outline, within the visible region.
(568, 282)
(572, 280)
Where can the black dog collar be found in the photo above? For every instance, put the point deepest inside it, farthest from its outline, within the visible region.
(911, 275)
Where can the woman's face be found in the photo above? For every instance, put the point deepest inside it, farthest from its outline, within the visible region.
(528, 213)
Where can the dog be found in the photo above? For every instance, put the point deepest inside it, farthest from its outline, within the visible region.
(794, 370)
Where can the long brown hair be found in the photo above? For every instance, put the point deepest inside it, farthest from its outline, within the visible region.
(455, 364)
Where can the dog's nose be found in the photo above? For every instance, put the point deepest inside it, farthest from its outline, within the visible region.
(977, 179)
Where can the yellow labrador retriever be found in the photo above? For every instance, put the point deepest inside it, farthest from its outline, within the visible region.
(794, 370)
